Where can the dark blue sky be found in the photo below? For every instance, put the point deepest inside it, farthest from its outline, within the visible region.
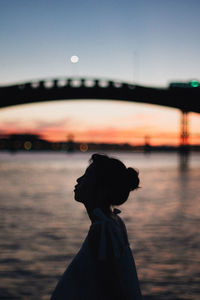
(149, 41)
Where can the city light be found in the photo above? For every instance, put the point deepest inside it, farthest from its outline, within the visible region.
(194, 83)
(83, 147)
(27, 145)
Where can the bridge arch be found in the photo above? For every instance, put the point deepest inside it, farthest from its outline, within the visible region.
(185, 99)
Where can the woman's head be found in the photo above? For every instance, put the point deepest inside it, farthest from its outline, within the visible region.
(108, 180)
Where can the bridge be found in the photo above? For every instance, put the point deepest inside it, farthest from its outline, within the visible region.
(186, 99)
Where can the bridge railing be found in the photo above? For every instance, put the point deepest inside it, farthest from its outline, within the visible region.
(74, 83)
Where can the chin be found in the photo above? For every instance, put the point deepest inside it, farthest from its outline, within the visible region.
(76, 198)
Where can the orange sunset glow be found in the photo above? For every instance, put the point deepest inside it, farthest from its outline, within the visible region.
(99, 121)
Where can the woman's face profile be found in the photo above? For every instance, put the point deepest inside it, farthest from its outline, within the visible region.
(84, 190)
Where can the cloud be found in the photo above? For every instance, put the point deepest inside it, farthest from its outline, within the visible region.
(51, 125)
(37, 126)
(10, 124)
(110, 134)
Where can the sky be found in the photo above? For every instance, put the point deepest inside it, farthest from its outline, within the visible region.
(147, 42)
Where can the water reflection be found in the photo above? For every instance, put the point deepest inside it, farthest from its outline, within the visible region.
(42, 227)
(184, 161)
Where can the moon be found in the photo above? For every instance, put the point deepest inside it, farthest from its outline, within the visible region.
(74, 59)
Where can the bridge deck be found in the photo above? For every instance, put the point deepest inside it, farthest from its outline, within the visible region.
(185, 99)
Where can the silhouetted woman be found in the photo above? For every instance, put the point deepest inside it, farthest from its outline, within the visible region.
(104, 267)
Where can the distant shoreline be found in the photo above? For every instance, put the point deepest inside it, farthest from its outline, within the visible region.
(33, 142)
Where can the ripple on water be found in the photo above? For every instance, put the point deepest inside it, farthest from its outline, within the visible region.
(42, 227)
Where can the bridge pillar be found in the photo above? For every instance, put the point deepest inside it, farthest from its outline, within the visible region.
(184, 145)
(184, 136)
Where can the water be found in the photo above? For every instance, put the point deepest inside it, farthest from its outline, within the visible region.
(42, 227)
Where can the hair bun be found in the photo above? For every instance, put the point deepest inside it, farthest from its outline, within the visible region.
(132, 178)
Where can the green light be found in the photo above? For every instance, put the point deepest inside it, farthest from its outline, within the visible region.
(194, 83)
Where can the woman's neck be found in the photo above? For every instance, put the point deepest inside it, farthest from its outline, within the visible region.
(106, 210)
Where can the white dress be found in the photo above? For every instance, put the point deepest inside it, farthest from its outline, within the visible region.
(104, 267)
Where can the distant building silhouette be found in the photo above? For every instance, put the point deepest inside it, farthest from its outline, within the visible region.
(147, 146)
(33, 142)
(70, 146)
(19, 142)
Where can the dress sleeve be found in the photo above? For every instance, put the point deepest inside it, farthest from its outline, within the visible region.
(105, 238)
